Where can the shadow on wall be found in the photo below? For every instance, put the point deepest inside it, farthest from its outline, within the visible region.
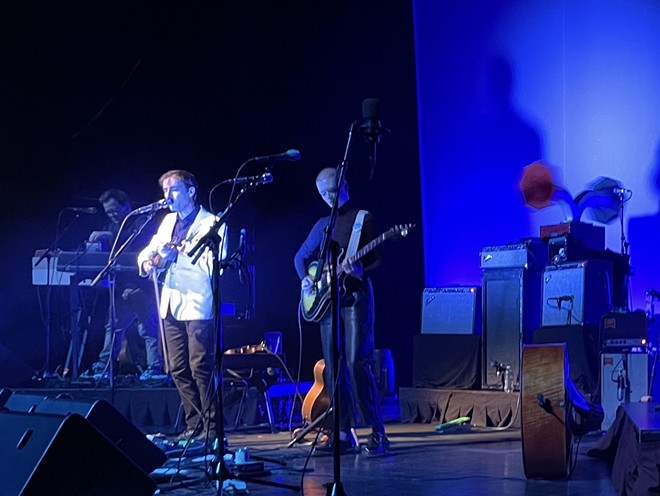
(502, 143)
(486, 164)
(644, 247)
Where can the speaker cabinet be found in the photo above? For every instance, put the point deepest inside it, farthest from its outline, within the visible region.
(451, 310)
(576, 293)
(511, 312)
(624, 379)
(545, 436)
(63, 456)
(104, 417)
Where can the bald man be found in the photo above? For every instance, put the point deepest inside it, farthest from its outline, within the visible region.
(358, 391)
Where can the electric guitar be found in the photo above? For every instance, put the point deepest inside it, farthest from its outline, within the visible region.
(314, 302)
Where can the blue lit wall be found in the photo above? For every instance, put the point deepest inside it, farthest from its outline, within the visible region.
(501, 84)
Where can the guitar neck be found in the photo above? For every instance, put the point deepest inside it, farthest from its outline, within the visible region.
(368, 247)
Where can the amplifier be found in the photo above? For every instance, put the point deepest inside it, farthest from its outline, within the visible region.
(576, 293)
(451, 310)
(625, 325)
(528, 253)
(624, 344)
(591, 236)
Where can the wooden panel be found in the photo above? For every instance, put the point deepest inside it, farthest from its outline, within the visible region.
(545, 437)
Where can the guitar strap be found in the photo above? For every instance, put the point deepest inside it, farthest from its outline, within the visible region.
(355, 235)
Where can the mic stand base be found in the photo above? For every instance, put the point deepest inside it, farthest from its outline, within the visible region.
(307, 429)
(222, 475)
(335, 489)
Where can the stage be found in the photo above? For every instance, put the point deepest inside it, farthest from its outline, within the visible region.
(484, 407)
(474, 458)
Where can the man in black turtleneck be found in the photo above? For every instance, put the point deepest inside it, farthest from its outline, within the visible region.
(358, 391)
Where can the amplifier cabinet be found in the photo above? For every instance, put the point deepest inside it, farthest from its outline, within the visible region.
(526, 254)
(623, 379)
(451, 310)
(576, 293)
(511, 312)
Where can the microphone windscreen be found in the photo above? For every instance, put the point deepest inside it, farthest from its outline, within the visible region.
(293, 154)
(371, 109)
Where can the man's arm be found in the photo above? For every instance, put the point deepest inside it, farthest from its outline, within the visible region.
(370, 231)
(308, 250)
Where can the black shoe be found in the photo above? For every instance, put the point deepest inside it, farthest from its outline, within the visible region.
(348, 445)
(377, 444)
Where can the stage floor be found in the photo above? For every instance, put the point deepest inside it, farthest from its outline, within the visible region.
(468, 460)
(421, 462)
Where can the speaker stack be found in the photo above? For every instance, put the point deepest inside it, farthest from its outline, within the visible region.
(511, 285)
(62, 447)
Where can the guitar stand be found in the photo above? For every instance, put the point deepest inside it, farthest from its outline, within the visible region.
(306, 430)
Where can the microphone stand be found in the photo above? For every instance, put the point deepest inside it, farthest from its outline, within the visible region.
(212, 241)
(329, 251)
(48, 253)
(624, 247)
(111, 269)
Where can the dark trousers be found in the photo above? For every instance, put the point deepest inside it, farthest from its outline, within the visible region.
(190, 356)
(358, 391)
(138, 309)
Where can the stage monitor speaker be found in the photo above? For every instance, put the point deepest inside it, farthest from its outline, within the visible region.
(63, 456)
(576, 293)
(511, 312)
(544, 420)
(103, 416)
(583, 347)
(446, 360)
(451, 310)
(624, 379)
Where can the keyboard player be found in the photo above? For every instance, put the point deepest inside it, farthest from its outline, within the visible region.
(135, 305)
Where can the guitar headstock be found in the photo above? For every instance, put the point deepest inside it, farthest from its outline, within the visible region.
(402, 230)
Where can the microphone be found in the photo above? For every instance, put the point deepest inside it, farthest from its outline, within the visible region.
(242, 248)
(153, 207)
(83, 210)
(620, 191)
(288, 156)
(265, 178)
(370, 128)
